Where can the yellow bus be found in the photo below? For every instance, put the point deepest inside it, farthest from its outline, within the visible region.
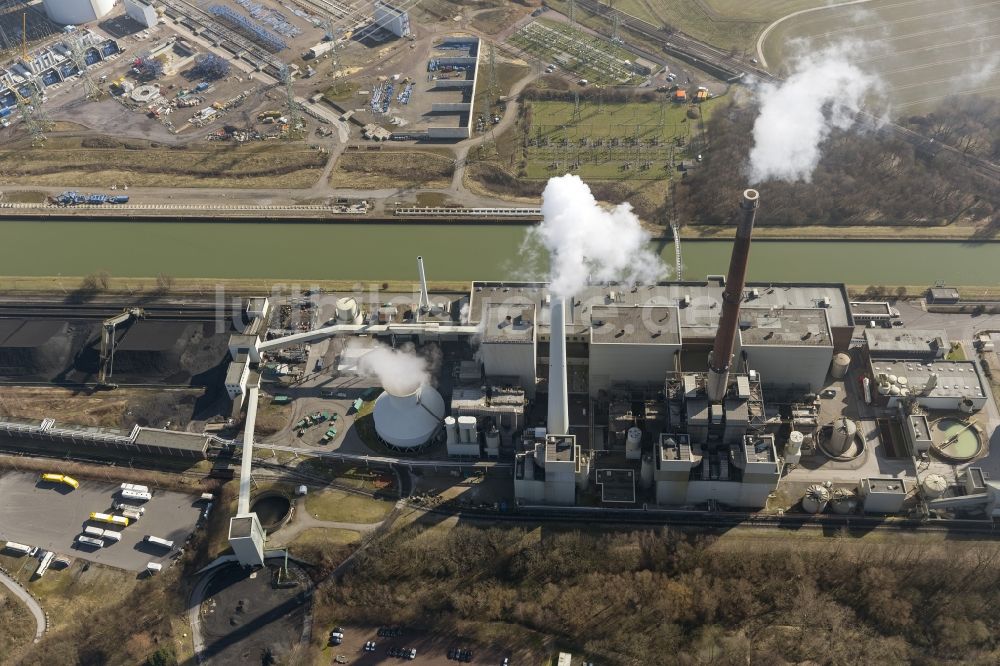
(108, 518)
(61, 478)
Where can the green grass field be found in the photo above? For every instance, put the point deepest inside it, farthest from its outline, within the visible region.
(345, 507)
(638, 140)
(728, 24)
(924, 51)
(582, 54)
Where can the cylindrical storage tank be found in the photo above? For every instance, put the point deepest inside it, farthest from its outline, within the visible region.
(646, 473)
(841, 362)
(934, 486)
(902, 381)
(843, 501)
(76, 12)
(467, 429)
(451, 430)
(408, 421)
(633, 443)
(348, 311)
(893, 390)
(842, 436)
(815, 498)
(583, 474)
(967, 406)
(883, 388)
(493, 442)
(892, 379)
(793, 449)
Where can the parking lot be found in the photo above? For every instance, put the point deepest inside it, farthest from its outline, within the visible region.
(432, 649)
(51, 516)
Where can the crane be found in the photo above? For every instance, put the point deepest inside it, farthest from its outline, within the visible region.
(108, 340)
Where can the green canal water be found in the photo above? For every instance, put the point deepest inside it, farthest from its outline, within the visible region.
(387, 251)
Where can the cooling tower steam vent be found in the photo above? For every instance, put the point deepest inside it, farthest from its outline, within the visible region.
(408, 420)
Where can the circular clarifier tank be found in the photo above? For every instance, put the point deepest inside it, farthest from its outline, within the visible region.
(273, 510)
(956, 440)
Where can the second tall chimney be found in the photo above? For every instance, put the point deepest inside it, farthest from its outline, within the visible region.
(558, 417)
(725, 337)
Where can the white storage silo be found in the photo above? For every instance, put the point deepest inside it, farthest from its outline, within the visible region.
(793, 449)
(408, 421)
(348, 311)
(633, 443)
(843, 501)
(838, 368)
(77, 12)
(493, 443)
(451, 430)
(646, 473)
(842, 436)
(934, 486)
(815, 498)
(467, 429)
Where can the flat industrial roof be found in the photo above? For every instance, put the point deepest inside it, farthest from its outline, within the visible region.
(784, 327)
(559, 448)
(871, 307)
(888, 341)
(699, 303)
(635, 324)
(894, 486)
(955, 378)
(240, 527)
(509, 323)
(235, 372)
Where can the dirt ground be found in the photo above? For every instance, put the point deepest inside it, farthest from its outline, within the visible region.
(392, 168)
(122, 408)
(81, 161)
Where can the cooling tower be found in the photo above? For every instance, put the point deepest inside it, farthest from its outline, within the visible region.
(408, 421)
(77, 12)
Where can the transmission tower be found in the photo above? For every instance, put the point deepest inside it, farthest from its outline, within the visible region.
(32, 115)
(572, 12)
(616, 24)
(576, 105)
(294, 110)
(78, 54)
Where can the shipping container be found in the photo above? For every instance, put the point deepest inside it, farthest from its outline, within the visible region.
(135, 487)
(153, 567)
(90, 530)
(125, 507)
(207, 497)
(136, 495)
(112, 536)
(132, 514)
(159, 542)
(17, 548)
(90, 541)
(61, 478)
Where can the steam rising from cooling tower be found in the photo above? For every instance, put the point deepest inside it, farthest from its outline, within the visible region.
(824, 92)
(585, 241)
(400, 371)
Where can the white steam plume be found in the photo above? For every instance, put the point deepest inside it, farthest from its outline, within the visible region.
(586, 241)
(824, 92)
(399, 371)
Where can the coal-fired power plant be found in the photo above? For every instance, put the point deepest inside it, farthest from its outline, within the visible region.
(725, 336)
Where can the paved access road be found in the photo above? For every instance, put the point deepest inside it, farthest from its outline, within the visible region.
(29, 601)
(51, 516)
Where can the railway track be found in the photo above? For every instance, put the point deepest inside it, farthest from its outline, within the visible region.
(96, 312)
(699, 53)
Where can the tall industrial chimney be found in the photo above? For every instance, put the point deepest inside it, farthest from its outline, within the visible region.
(558, 421)
(425, 299)
(725, 336)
